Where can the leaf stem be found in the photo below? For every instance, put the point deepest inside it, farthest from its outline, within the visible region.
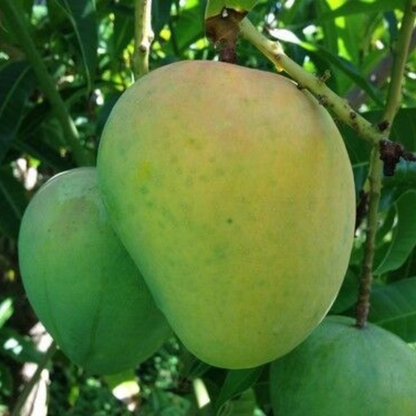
(143, 37)
(17, 411)
(340, 107)
(46, 81)
(375, 175)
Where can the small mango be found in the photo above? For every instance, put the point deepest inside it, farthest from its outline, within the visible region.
(345, 371)
(80, 280)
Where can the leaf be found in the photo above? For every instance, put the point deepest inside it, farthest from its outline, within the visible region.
(13, 202)
(347, 296)
(160, 14)
(6, 311)
(362, 7)
(82, 15)
(330, 35)
(404, 176)
(16, 84)
(216, 7)
(236, 382)
(6, 381)
(394, 308)
(189, 27)
(404, 236)
(241, 406)
(19, 348)
(342, 64)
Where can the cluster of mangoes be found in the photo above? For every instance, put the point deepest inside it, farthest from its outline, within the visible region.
(222, 203)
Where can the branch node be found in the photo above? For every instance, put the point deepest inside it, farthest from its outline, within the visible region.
(390, 154)
(362, 208)
(322, 99)
(325, 77)
(383, 125)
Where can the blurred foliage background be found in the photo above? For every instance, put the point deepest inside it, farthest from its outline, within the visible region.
(87, 48)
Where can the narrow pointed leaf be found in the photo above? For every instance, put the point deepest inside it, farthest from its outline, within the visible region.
(12, 204)
(82, 15)
(16, 84)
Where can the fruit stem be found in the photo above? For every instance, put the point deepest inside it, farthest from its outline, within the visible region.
(364, 291)
(18, 25)
(340, 107)
(375, 175)
(143, 37)
(24, 395)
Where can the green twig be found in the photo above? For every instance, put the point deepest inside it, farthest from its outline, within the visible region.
(24, 395)
(314, 84)
(46, 81)
(375, 175)
(143, 37)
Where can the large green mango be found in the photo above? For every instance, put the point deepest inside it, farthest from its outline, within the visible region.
(233, 192)
(341, 370)
(80, 280)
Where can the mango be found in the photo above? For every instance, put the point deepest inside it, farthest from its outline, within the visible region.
(342, 370)
(80, 280)
(233, 193)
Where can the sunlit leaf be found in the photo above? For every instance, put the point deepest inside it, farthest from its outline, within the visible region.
(363, 7)
(6, 311)
(18, 347)
(342, 64)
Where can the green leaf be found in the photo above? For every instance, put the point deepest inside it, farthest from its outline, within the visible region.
(6, 311)
(404, 176)
(342, 64)
(362, 7)
(82, 15)
(330, 34)
(13, 202)
(347, 296)
(216, 7)
(236, 382)
(189, 27)
(244, 405)
(16, 84)
(160, 14)
(6, 381)
(394, 308)
(404, 236)
(18, 348)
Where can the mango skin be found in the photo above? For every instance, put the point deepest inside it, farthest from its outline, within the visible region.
(341, 370)
(233, 193)
(80, 280)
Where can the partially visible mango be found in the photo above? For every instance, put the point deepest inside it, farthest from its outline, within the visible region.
(345, 371)
(233, 193)
(80, 280)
